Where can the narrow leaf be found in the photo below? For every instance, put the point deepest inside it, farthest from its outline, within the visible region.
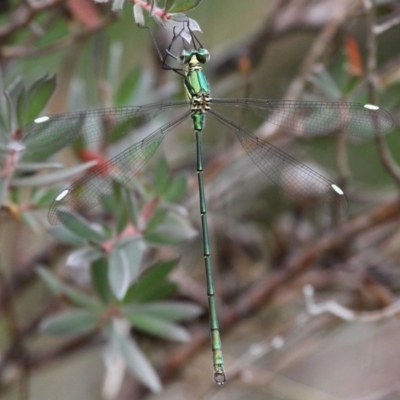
(82, 227)
(128, 86)
(99, 273)
(162, 179)
(176, 189)
(71, 323)
(174, 229)
(136, 361)
(83, 257)
(153, 284)
(158, 327)
(64, 235)
(119, 273)
(177, 6)
(168, 310)
(59, 288)
(38, 96)
(52, 177)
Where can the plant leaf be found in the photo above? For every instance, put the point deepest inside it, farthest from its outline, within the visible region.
(162, 179)
(82, 227)
(99, 274)
(59, 288)
(324, 81)
(136, 361)
(174, 229)
(153, 285)
(125, 260)
(64, 235)
(37, 97)
(177, 6)
(176, 189)
(128, 87)
(158, 327)
(83, 257)
(71, 323)
(168, 310)
(52, 177)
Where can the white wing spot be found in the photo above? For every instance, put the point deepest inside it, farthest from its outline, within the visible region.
(371, 107)
(62, 195)
(337, 189)
(41, 119)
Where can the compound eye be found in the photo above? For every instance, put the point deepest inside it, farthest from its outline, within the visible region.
(203, 55)
(182, 57)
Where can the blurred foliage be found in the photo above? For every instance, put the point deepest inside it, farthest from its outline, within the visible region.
(128, 288)
(126, 291)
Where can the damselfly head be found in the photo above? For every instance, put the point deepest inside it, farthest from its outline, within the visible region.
(201, 55)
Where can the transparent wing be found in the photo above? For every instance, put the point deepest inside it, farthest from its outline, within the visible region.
(57, 131)
(317, 118)
(87, 192)
(295, 178)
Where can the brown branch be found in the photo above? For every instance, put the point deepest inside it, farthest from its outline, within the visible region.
(24, 14)
(283, 19)
(20, 51)
(391, 22)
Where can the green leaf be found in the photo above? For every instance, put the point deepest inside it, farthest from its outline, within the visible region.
(168, 310)
(83, 257)
(52, 177)
(175, 228)
(37, 97)
(124, 263)
(176, 6)
(15, 93)
(99, 273)
(153, 285)
(158, 327)
(176, 189)
(71, 323)
(162, 179)
(43, 198)
(122, 205)
(33, 167)
(136, 361)
(4, 111)
(324, 81)
(58, 288)
(82, 227)
(31, 221)
(3, 190)
(128, 86)
(64, 235)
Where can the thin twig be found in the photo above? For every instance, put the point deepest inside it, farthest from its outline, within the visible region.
(20, 51)
(392, 22)
(24, 14)
(345, 313)
(341, 11)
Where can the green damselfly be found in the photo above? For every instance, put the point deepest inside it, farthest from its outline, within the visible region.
(316, 118)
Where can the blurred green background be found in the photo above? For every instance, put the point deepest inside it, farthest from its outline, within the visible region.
(273, 348)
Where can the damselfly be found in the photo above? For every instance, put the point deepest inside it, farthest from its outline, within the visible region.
(294, 177)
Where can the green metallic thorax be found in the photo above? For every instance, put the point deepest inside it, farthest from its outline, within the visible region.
(197, 90)
(195, 81)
